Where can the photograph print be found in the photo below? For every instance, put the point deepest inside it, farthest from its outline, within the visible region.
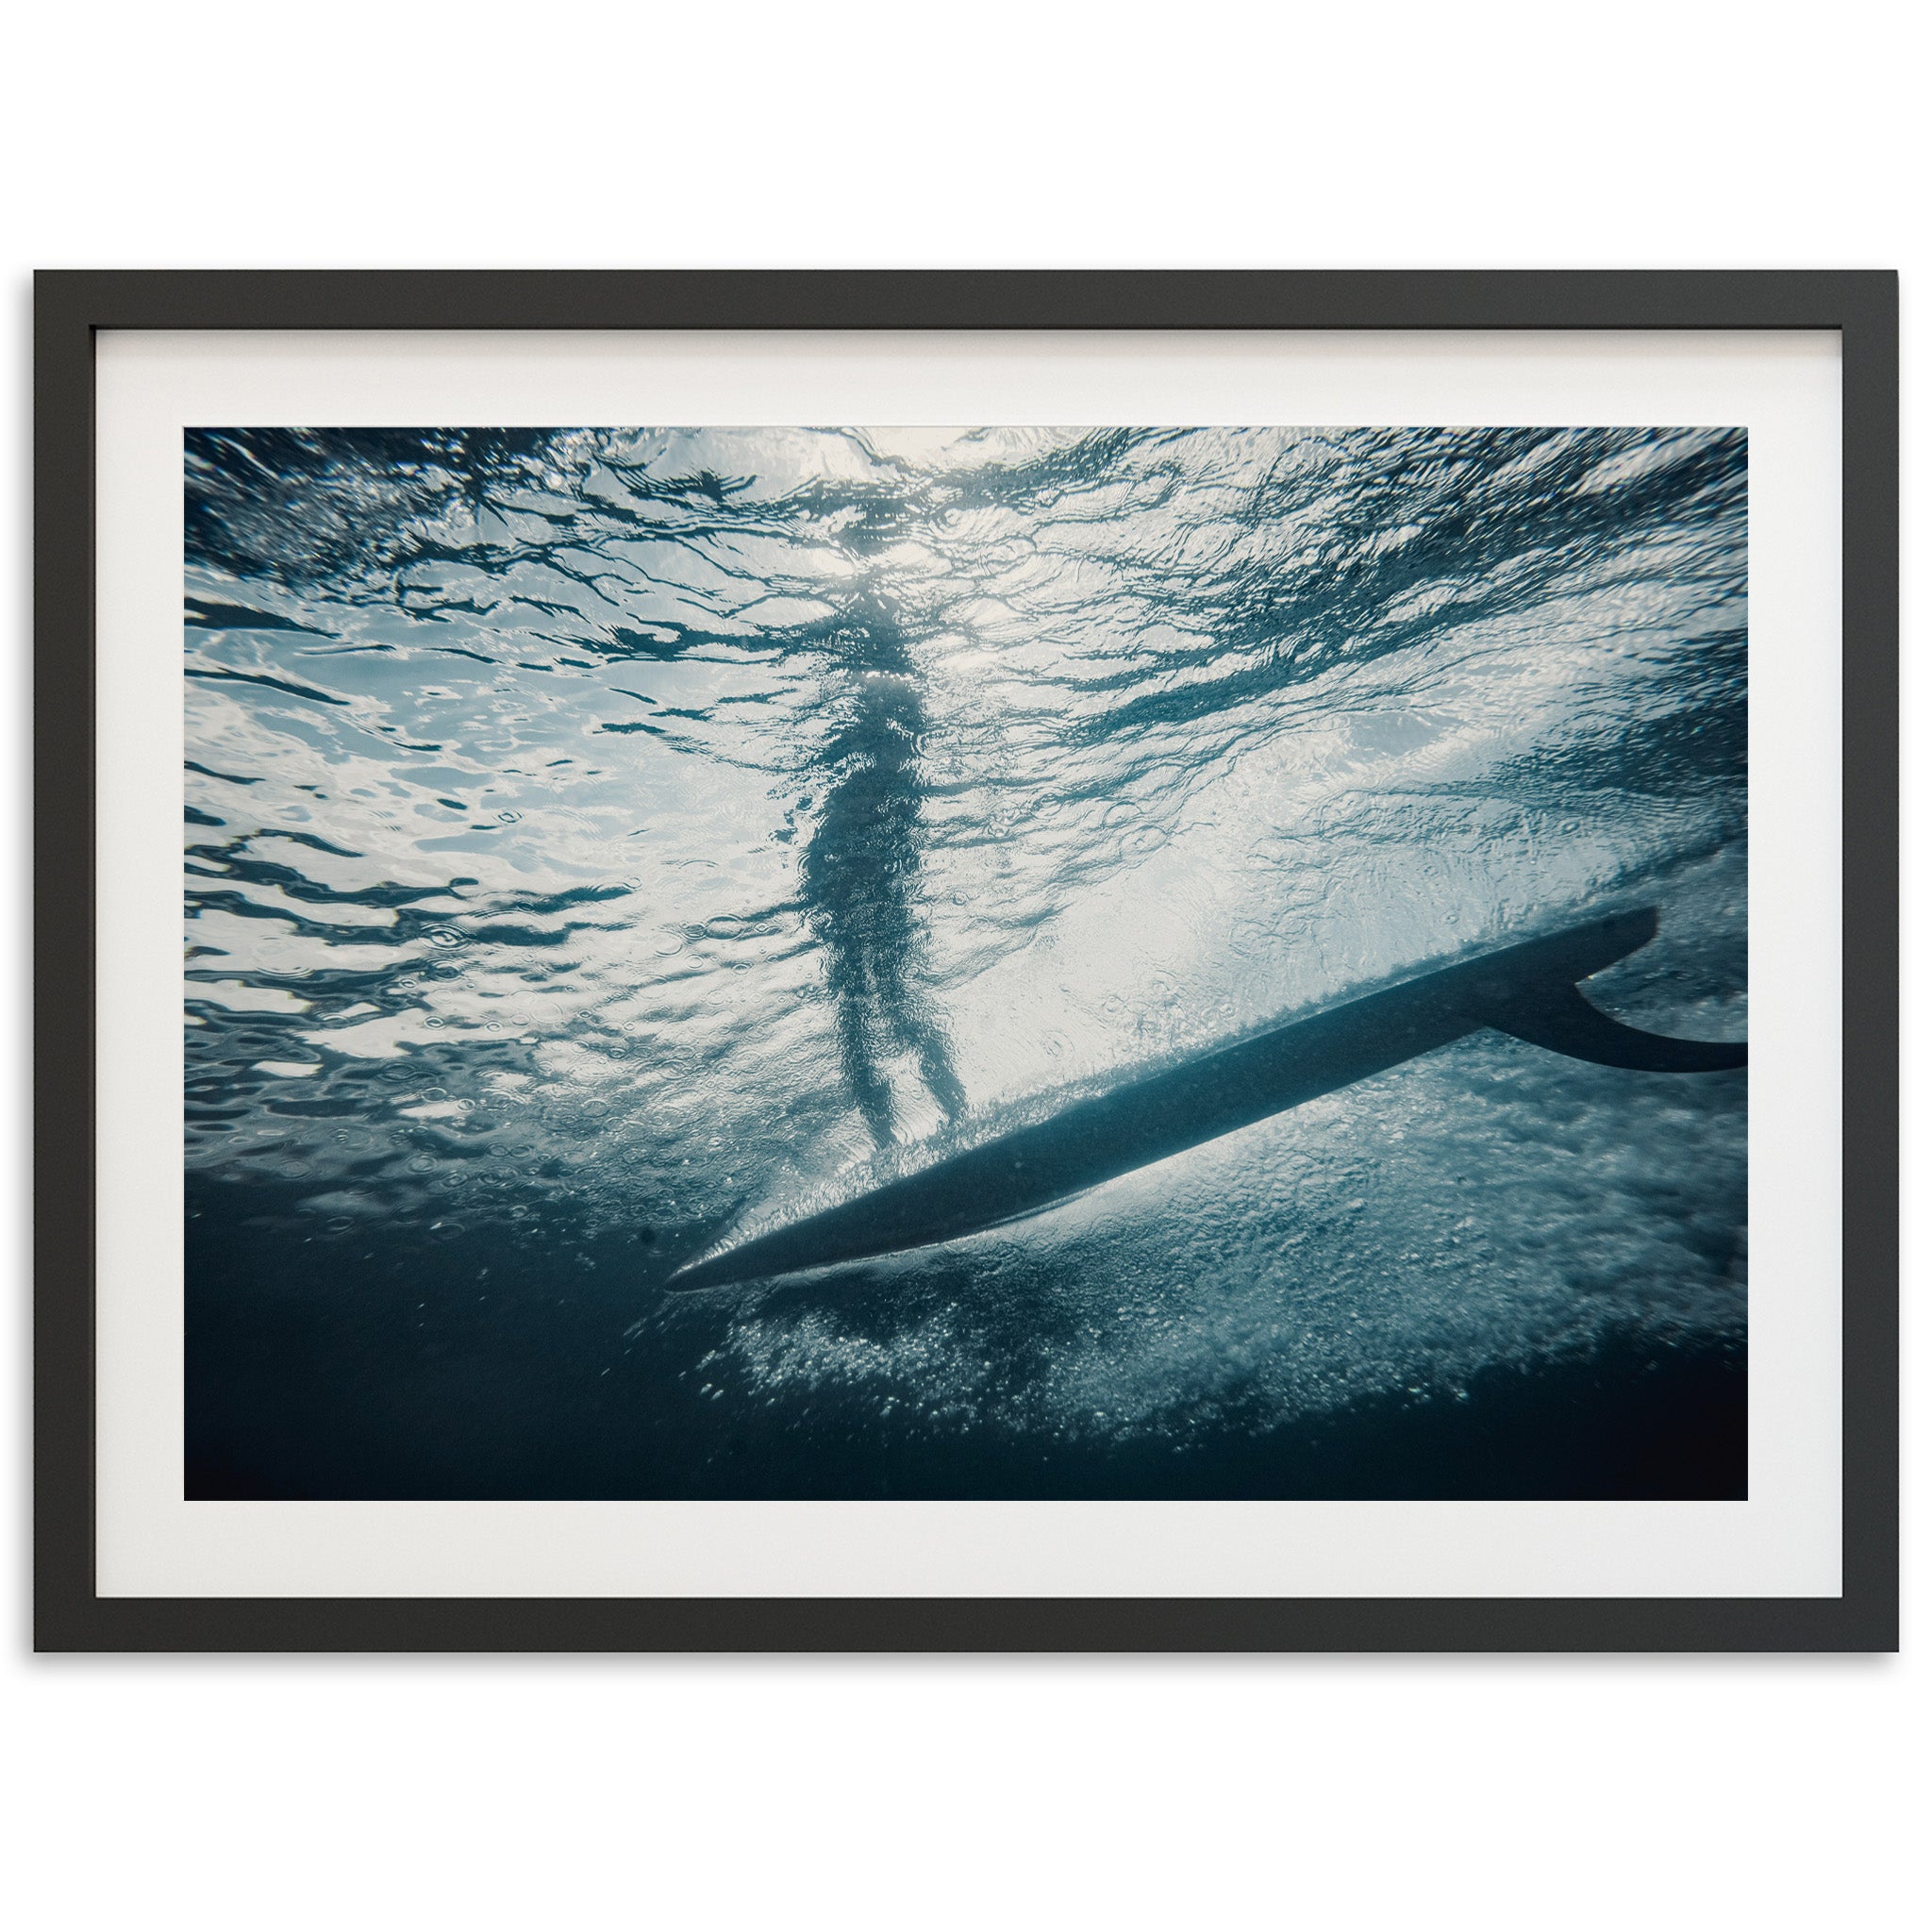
(856, 963)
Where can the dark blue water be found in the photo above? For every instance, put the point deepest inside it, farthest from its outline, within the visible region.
(601, 841)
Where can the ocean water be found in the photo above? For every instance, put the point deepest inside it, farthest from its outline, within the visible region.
(601, 841)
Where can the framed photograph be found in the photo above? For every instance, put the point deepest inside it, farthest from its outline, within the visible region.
(988, 961)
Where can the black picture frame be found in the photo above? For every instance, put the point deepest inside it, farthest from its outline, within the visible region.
(70, 307)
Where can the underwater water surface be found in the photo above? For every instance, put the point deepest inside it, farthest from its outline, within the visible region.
(602, 842)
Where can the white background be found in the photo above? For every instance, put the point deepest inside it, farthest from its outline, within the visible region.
(1522, 1792)
(1782, 388)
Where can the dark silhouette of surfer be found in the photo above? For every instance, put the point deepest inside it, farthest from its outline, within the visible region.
(859, 871)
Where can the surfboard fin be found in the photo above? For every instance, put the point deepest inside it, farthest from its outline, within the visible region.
(1560, 1019)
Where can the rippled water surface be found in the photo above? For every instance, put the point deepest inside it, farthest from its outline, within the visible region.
(598, 841)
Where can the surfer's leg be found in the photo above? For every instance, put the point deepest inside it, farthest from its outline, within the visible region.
(859, 1057)
(904, 1009)
(872, 1094)
(935, 1069)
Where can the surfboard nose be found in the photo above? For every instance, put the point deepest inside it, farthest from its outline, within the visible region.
(711, 1270)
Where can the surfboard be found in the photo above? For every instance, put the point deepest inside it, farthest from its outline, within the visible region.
(1529, 989)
